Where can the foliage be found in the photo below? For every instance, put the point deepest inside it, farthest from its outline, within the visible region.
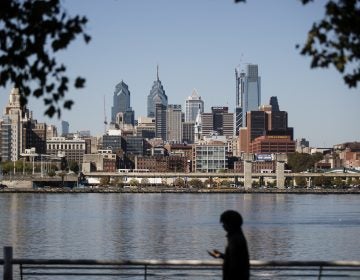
(117, 181)
(134, 182)
(225, 183)
(105, 181)
(51, 173)
(179, 182)
(335, 40)
(145, 182)
(300, 181)
(299, 162)
(74, 166)
(322, 181)
(31, 33)
(196, 183)
(337, 181)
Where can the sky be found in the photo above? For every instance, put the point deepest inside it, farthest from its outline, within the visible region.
(197, 45)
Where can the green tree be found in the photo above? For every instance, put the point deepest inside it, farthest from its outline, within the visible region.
(225, 183)
(145, 182)
(179, 182)
(335, 39)
(31, 34)
(74, 166)
(117, 181)
(338, 182)
(300, 181)
(134, 182)
(299, 162)
(104, 181)
(196, 183)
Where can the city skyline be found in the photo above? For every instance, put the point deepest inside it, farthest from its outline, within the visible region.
(198, 45)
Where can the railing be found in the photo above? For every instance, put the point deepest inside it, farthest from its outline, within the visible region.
(170, 269)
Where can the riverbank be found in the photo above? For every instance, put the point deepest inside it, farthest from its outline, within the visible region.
(180, 190)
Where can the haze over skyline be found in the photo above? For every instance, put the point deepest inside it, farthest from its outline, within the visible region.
(198, 44)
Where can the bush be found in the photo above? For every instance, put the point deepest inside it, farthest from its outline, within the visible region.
(196, 183)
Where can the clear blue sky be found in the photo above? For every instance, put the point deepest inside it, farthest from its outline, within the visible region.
(197, 44)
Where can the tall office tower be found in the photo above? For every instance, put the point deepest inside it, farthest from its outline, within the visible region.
(160, 121)
(121, 104)
(174, 123)
(207, 124)
(157, 95)
(248, 92)
(198, 128)
(274, 104)
(64, 128)
(193, 104)
(12, 128)
(188, 131)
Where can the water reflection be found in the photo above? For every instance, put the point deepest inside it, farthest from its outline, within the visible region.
(178, 226)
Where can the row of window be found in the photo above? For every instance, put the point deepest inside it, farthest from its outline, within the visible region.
(66, 146)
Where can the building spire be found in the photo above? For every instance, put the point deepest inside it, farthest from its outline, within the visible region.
(157, 72)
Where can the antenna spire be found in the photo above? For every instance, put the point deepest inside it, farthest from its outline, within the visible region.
(157, 71)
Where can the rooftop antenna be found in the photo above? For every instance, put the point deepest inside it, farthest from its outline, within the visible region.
(157, 71)
(105, 120)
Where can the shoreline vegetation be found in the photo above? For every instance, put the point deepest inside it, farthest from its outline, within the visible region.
(181, 190)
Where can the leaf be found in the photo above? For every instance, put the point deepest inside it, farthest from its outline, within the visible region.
(68, 104)
(79, 82)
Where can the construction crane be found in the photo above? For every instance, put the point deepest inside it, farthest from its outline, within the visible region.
(105, 120)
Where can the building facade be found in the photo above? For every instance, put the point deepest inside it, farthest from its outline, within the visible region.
(174, 123)
(209, 157)
(71, 149)
(121, 104)
(248, 91)
(193, 105)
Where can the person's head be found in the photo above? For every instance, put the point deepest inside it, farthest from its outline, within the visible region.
(231, 220)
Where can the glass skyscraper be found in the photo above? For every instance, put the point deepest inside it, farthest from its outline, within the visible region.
(157, 96)
(193, 104)
(121, 100)
(248, 93)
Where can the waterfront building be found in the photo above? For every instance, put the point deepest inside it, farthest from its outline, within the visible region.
(121, 104)
(248, 93)
(71, 149)
(161, 163)
(157, 96)
(174, 123)
(64, 128)
(272, 144)
(104, 161)
(193, 104)
(209, 157)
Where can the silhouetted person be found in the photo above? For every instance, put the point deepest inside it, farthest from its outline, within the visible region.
(236, 258)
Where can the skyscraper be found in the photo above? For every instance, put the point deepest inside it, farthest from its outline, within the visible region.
(173, 123)
(193, 104)
(64, 128)
(157, 96)
(160, 121)
(121, 103)
(248, 93)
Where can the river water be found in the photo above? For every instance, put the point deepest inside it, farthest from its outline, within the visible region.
(178, 226)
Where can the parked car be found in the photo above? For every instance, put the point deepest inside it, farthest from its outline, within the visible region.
(2, 186)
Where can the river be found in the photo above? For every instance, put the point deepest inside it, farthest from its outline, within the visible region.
(178, 226)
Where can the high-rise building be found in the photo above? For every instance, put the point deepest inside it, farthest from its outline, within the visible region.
(121, 104)
(157, 96)
(193, 104)
(188, 130)
(173, 123)
(64, 128)
(248, 92)
(160, 121)
(274, 104)
(219, 122)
